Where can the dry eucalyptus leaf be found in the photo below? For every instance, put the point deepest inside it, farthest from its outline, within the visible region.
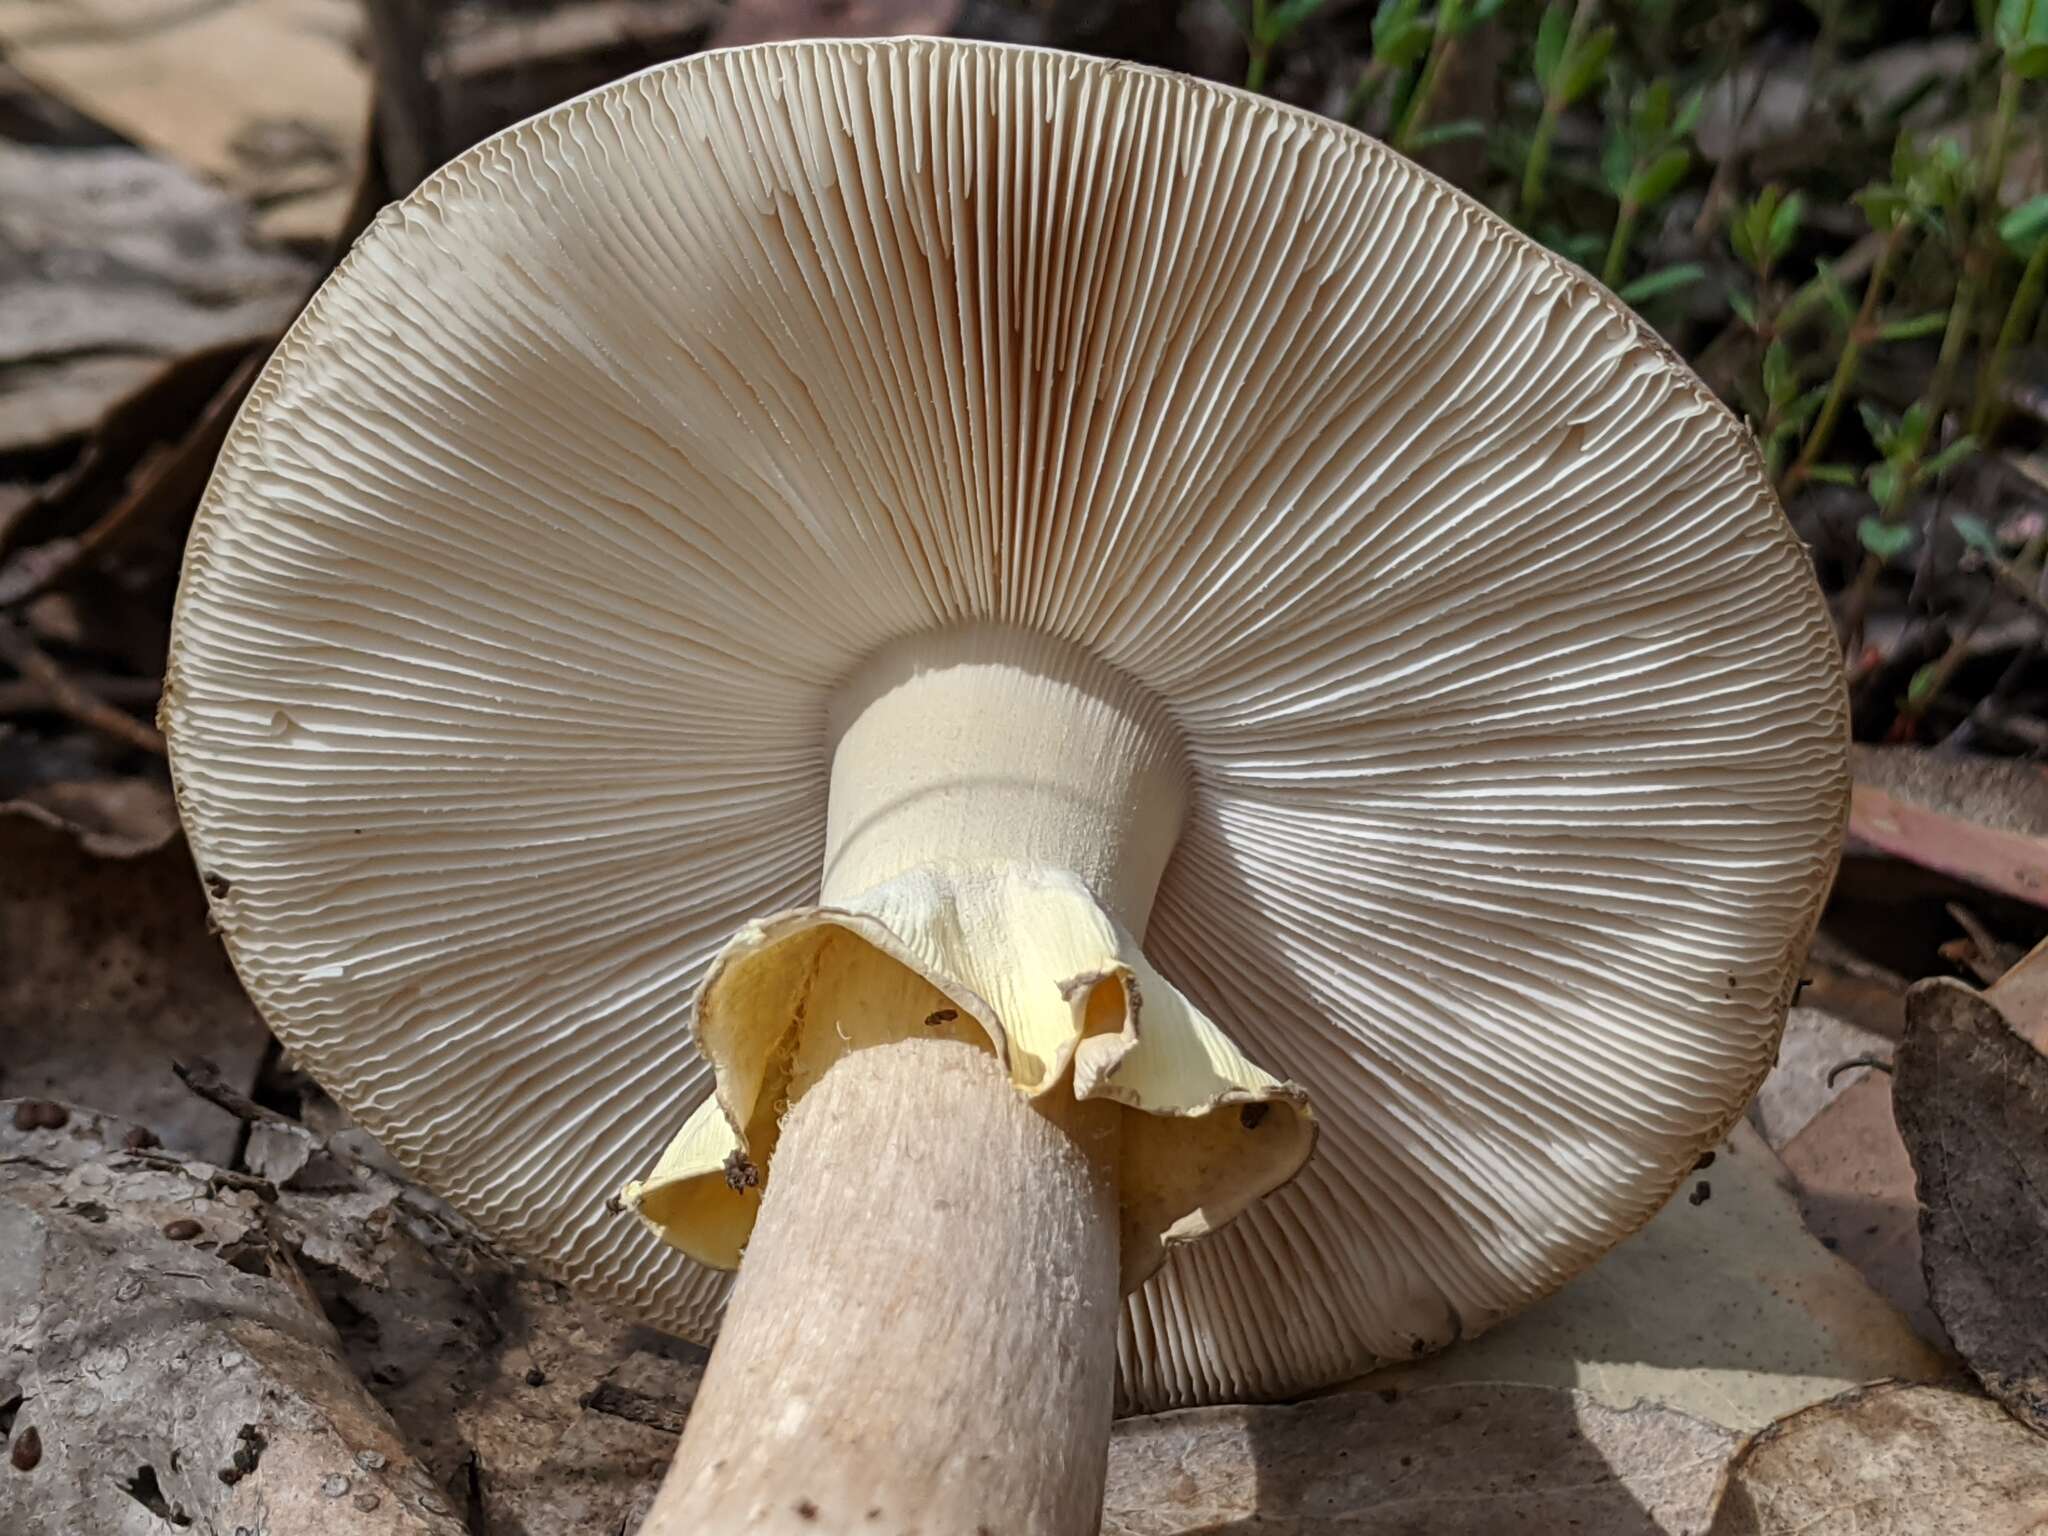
(112, 264)
(172, 1367)
(1856, 1190)
(2022, 996)
(1984, 820)
(1728, 1309)
(269, 98)
(1475, 1458)
(110, 975)
(1972, 1103)
(1889, 1460)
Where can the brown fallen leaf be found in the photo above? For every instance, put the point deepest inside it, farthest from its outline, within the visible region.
(1729, 1310)
(1889, 1460)
(268, 98)
(110, 974)
(1856, 1193)
(1474, 1458)
(1972, 1103)
(1984, 820)
(113, 262)
(2022, 996)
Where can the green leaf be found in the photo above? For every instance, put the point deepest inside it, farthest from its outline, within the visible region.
(1740, 240)
(1780, 381)
(1617, 165)
(2026, 226)
(1660, 178)
(1653, 112)
(1884, 205)
(1804, 409)
(1950, 456)
(1975, 533)
(1882, 428)
(1933, 323)
(1784, 225)
(1884, 540)
(1887, 486)
(1834, 293)
(1399, 34)
(1484, 11)
(2021, 24)
(1744, 307)
(1551, 34)
(1689, 112)
(1920, 691)
(1587, 65)
(1913, 428)
(1401, 44)
(1832, 474)
(1448, 133)
(2029, 63)
(1665, 280)
(1286, 18)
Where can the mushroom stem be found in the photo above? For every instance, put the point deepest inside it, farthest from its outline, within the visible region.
(924, 1328)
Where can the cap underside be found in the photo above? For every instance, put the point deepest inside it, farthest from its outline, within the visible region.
(512, 619)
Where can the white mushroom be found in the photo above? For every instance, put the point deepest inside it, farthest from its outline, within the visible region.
(1052, 603)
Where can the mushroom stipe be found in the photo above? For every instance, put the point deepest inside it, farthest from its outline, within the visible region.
(1112, 741)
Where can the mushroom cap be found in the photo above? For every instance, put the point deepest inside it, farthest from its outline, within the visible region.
(512, 618)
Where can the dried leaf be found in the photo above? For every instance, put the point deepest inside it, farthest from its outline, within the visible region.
(111, 263)
(110, 818)
(1889, 1460)
(1471, 1458)
(2022, 996)
(110, 975)
(1728, 1309)
(1984, 820)
(1972, 1103)
(268, 98)
(1856, 1192)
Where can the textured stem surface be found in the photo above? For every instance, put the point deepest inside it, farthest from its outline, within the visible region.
(923, 1335)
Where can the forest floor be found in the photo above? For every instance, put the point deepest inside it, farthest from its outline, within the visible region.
(1837, 210)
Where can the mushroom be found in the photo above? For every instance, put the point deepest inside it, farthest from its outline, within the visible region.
(872, 661)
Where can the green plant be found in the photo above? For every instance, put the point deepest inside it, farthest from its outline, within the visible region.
(1570, 60)
(2025, 233)
(1645, 159)
(1903, 466)
(1761, 235)
(1267, 25)
(1921, 185)
(1401, 33)
(1455, 20)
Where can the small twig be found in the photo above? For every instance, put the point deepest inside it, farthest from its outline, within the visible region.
(205, 1080)
(67, 698)
(1875, 1063)
(1987, 957)
(170, 477)
(124, 692)
(227, 1177)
